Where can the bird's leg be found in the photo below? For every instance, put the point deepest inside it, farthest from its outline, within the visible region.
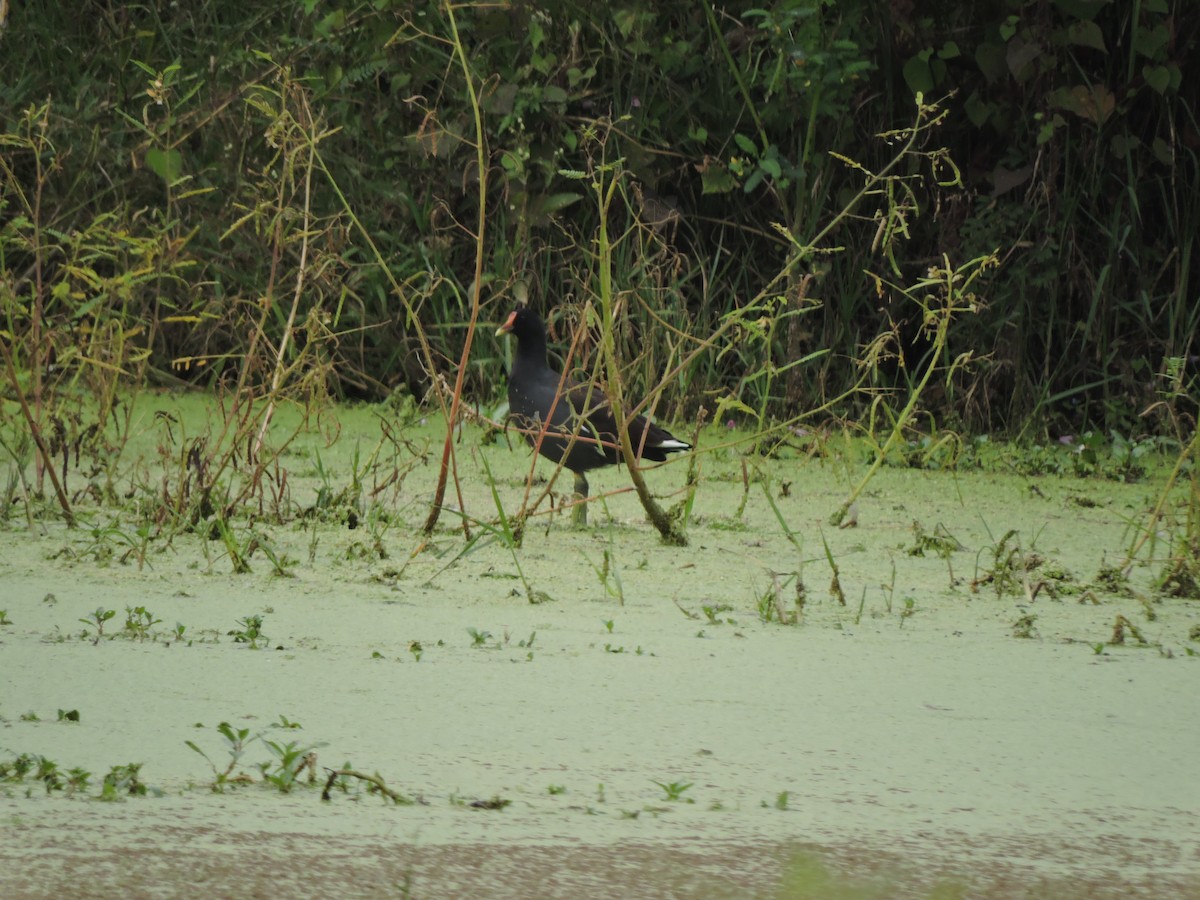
(579, 516)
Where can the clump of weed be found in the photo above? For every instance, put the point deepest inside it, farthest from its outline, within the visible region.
(1024, 627)
(1112, 580)
(249, 631)
(1123, 626)
(1016, 571)
(674, 790)
(940, 542)
(124, 781)
(1181, 575)
(290, 761)
(283, 771)
(236, 742)
(713, 613)
(771, 605)
(121, 781)
(138, 622)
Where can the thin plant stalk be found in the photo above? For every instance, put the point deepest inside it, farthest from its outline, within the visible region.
(482, 169)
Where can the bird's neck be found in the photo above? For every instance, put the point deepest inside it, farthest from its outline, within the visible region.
(531, 352)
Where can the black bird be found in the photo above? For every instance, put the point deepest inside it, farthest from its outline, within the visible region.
(580, 429)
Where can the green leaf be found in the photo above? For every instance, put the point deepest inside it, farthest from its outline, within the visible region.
(1087, 34)
(978, 110)
(1081, 9)
(771, 167)
(1150, 41)
(991, 61)
(1123, 145)
(729, 402)
(546, 205)
(1162, 152)
(716, 179)
(1158, 77)
(746, 145)
(1092, 102)
(917, 75)
(1020, 57)
(166, 164)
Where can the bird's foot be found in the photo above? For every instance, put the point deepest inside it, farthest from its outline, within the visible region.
(579, 511)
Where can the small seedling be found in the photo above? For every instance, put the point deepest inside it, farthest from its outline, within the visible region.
(68, 715)
(250, 631)
(608, 625)
(121, 781)
(608, 576)
(17, 768)
(674, 790)
(48, 774)
(237, 740)
(290, 761)
(781, 800)
(78, 780)
(712, 613)
(97, 619)
(415, 648)
(138, 622)
(4, 619)
(479, 638)
(555, 789)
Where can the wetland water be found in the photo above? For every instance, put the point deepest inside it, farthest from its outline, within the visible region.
(653, 728)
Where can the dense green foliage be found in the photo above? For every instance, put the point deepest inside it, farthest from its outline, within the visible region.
(182, 185)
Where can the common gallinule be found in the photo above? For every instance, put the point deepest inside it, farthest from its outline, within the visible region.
(580, 430)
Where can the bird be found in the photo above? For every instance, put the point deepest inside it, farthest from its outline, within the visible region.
(580, 430)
